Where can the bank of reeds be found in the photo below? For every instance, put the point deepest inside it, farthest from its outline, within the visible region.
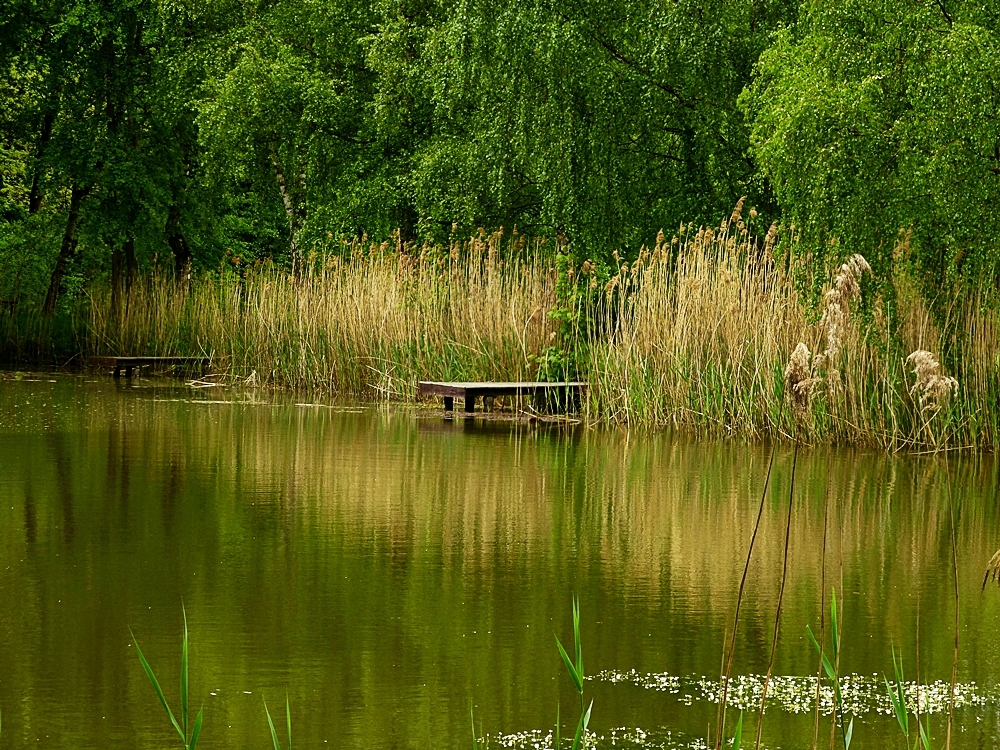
(700, 330)
(367, 320)
(709, 330)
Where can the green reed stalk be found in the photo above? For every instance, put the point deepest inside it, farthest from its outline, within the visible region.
(288, 724)
(575, 669)
(897, 698)
(190, 742)
(739, 602)
(833, 672)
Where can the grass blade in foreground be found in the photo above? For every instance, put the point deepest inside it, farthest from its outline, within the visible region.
(189, 744)
(270, 723)
(738, 734)
(576, 674)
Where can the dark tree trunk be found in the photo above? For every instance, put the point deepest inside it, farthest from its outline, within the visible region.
(178, 245)
(130, 266)
(116, 281)
(66, 250)
(35, 194)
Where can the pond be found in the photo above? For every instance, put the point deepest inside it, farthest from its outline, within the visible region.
(390, 570)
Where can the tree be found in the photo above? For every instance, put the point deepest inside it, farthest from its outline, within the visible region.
(871, 116)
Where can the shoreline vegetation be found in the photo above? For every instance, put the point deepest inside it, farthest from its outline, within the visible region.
(718, 331)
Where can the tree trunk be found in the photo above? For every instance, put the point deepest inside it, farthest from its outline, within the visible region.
(178, 245)
(294, 215)
(35, 194)
(130, 267)
(66, 250)
(116, 281)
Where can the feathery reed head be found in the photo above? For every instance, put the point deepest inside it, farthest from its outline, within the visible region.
(930, 387)
(799, 380)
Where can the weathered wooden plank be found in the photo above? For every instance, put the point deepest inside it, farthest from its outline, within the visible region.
(502, 388)
(131, 364)
(564, 392)
(145, 361)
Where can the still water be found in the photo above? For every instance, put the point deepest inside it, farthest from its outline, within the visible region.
(389, 570)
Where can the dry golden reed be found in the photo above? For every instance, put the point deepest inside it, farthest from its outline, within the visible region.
(709, 331)
(706, 330)
(368, 320)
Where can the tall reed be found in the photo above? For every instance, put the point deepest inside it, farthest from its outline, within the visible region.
(695, 332)
(367, 320)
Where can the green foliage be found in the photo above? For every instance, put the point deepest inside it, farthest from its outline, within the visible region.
(288, 724)
(575, 668)
(831, 668)
(897, 698)
(190, 741)
(871, 117)
(738, 734)
(559, 360)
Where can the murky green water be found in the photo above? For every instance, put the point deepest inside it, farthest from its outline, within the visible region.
(388, 569)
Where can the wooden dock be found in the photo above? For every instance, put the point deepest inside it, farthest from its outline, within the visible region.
(131, 365)
(563, 393)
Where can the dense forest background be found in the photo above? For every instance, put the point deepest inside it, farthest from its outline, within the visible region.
(141, 132)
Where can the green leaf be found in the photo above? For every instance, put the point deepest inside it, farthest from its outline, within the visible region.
(901, 716)
(738, 734)
(836, 625)
(288, 720)
(472, 721)
(156, 687)
(827, 665)
(581, 727)
(197, 729)
(570, 667)
(576, 638)
(184, 675)
(923, 737)
(848, 734)
(270, 723)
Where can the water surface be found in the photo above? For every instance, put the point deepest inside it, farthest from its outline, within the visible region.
(388, 570)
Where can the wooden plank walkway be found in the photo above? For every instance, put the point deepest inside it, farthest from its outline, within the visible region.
(132, 364)
(564, 392)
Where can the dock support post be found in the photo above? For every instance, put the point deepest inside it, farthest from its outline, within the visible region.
(470, 404)
(128, 373)
(449, 403)
(117, 374)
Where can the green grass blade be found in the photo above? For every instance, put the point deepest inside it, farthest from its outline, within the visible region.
(576, 637)
(738, 734)
(288, 720)
(848, 735)
(570, 667)
(156, 687)
(836, 625)
(923, 737)
(472, 721)
(901, 715)
(827, 665)
(184, 674)
(558, 738)
(197, 729)
(270, 723)
(581, 727)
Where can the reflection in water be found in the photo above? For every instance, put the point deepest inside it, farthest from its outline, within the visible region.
(387, 568)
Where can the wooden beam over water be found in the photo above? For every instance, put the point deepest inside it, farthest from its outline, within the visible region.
(563, 391)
